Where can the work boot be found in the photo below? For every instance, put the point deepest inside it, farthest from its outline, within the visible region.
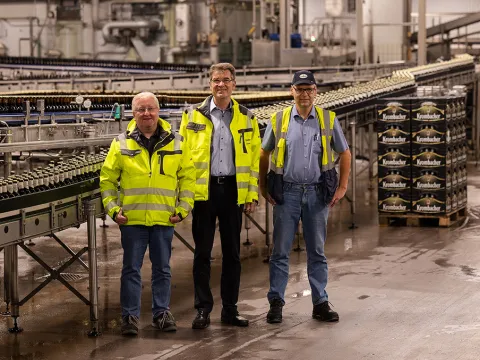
(274, 315)
(323, 312)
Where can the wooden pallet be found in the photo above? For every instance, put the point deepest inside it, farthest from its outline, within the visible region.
(413, 219)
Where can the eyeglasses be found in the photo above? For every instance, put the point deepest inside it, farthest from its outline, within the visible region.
(145, 110)
(218, 81)
(308, 91)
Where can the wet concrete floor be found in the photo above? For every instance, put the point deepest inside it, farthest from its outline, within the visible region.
(401, 292)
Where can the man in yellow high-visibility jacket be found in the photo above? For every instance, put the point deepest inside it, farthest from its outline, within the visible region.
(302, 185)
(224, 140)
(155, 171)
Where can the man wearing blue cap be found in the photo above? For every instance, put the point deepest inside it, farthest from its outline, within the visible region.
(302, 184)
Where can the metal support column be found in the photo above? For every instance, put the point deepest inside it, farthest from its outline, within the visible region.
(407, 18)
(422, 32)
(92, 264)
(371, 154)
(11, 261)
(476, 120)
(6, 282)
(359, 57)
(354, 171)
(267, 231)
(7, 167)
(361, 138)
(283, 26)
(248, 225)
(254, 19)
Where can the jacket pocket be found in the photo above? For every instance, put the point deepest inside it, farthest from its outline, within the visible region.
(168, 161)
(245, 138)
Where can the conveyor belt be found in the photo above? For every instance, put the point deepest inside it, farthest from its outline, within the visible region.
(98, 65)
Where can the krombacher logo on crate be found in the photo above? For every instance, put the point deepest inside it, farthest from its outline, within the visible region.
(428, 135)
(394, 157)
(428, 158)
(394, 135)
(428, 181)
(393, 112)
(394, 203)
(428, 111)
(393, 181)
(428, 204)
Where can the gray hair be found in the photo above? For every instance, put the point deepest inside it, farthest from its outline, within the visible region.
(144, 95)
(222, 67)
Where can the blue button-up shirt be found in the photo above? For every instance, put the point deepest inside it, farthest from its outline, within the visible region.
(304, 147)
(223, 162)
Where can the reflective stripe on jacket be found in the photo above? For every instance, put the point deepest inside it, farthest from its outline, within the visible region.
(197, 130)
(151, 188)
(280, 129)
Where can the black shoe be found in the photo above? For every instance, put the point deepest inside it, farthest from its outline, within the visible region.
(202, 320)
(130, 325)
(234, 319)
(165, 322)
(323, 312)
(274, 315)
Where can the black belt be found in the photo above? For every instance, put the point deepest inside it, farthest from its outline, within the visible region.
(220, 180)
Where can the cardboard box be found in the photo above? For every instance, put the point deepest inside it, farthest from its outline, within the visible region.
(394, 201)
(394, 156)
(394, 179)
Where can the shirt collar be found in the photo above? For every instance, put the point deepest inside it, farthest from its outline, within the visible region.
(155, 134)
(213, 106)
(295, 113)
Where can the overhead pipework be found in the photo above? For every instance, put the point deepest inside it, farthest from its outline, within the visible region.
(113, 31)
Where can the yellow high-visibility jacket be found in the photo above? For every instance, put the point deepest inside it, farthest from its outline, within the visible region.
(326, 120)
(151, 189)
(197, 130)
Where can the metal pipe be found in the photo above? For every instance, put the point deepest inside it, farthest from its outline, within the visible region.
(27, 118)
(11, 262)
(477, 119)
(369, 58)
(7, 167)
(95, 6)
(354, 167)
(267, 226)
(407, 18)
(254, 19)
(390, 24)
(283, 26)
(170, 58)
(92, 264)
(371, 161)
(359, 47)
(422, 32)
(7, 273)
(263, 17)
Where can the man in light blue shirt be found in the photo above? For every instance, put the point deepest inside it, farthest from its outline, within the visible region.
(308, 190)
(223, 163)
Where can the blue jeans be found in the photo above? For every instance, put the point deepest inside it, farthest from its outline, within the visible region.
(303, 202)
(135, 239)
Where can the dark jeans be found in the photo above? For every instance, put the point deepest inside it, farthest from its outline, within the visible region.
(222, 203)
(305, 202)
(135, 239)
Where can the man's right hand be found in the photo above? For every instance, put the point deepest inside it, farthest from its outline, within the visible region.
(266, 195)
(120, 219)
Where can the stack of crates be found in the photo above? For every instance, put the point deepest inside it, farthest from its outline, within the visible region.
(422, 155)
(439, 155)
(394, 160)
